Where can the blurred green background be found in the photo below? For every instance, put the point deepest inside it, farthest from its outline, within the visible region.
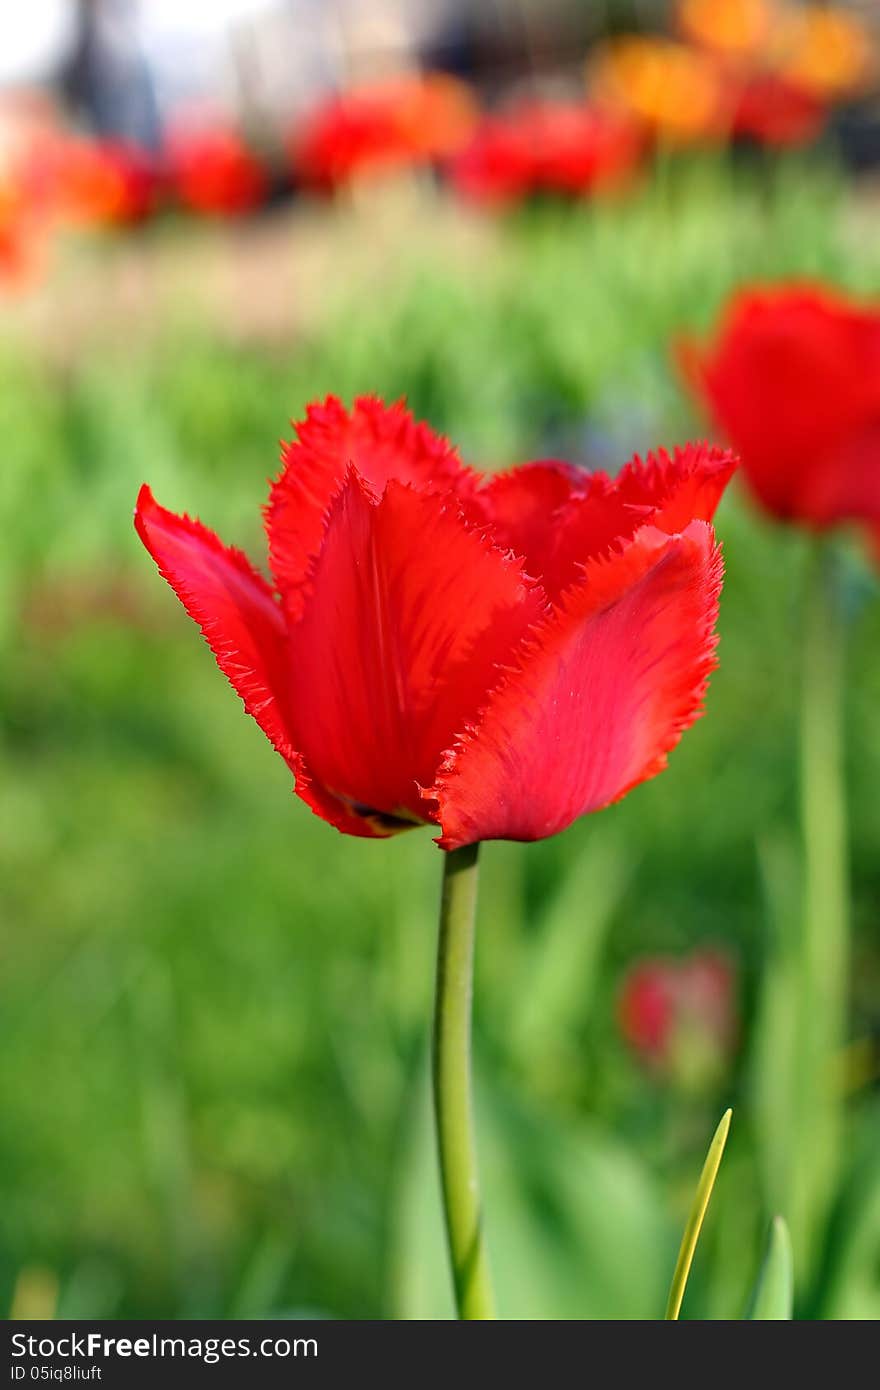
(215, 1010)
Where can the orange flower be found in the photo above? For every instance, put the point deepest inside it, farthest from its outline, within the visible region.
(23, 230)
(102, 182)
(734, 28)
(436, 113)
(17, 258)
(675, 91)
(826, 51)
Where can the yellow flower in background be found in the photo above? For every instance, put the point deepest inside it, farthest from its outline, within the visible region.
(734, 28)
(829, 52)
(676, 91)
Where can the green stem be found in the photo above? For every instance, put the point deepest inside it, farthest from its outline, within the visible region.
(824, 964)
(453, 1106)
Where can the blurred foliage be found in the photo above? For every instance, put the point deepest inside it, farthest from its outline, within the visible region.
(215, 1010)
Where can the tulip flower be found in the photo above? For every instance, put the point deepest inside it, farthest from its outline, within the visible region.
(491, 656)
(772, 111)
(826, 51)
(547, 147)
(105, 183)
(494, 657)
(679, 1016)
(793, 378)
(383, 127)
(734, 29)
(677, 93)
(213, 172)
(22, 234)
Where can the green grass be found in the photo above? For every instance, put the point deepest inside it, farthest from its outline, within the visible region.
(215, 1009)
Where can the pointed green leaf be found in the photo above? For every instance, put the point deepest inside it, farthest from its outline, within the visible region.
(695, 1219)
(774, 1291)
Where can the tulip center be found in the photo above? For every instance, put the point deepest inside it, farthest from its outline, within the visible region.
(392, 822)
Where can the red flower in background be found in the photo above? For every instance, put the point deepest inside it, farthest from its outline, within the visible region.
(213, 172)
(102, 182)
(557, 147)
(383, 127)
(793, 377)
(496, 166)
(495, 656)
(21, 249)
(23, 233)
(673, 1013)
(773, 111)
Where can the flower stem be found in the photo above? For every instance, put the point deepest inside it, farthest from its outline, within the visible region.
(824, 954)
(453, 1105)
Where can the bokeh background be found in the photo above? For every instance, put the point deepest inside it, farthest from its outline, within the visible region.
(215, 1010)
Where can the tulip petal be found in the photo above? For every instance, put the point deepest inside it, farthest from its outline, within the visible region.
(844, 484)
(406, 615)
(679, 488)
(522, 508)
(244, 626)
(665, 491)
(381, 441)
(602, 692)
(558, 517)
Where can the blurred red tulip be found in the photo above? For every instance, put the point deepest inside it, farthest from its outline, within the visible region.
(773, 111)
(680, 1015)
(212, 172)
(496, 166)
(377, 129)
(794, 379)
(495, 656)
(550, 147)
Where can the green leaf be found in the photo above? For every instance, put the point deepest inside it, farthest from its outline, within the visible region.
(695, 1219)
(852, 1285)
(774, 1291)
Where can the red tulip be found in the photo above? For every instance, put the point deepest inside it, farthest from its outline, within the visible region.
(794, 380)
(214, 173)
(671, 1011)
(382, 127)
(773, 111)
(554, 147)
(495, 656)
